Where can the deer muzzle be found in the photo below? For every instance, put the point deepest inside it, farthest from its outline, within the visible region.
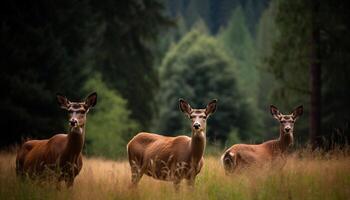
(196, 125)
(73, 122)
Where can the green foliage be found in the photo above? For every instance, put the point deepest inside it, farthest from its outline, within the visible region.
(198, 70)
(109, 126)
(288, 59)
(291, 55)
(51, 47)
(120, 48)
(233, 138)
(267, 34)
(239, 43)
(197, 9)
(215, 13)
(295, 33)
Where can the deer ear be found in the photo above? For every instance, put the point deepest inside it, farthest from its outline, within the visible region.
(185, 107)
(62, 101)
(298, 111)
(91, 100)
(211, 107)
(275, 112)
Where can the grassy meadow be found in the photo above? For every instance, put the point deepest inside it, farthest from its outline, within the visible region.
(305, 176)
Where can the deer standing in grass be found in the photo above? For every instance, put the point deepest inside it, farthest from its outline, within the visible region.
(244, 155)
(171, 158)
(62, 153)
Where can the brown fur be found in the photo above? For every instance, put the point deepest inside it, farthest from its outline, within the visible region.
(61, 154)
(170, 158)
(246, 155)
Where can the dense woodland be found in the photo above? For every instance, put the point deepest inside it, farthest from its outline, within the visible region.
(141, 56)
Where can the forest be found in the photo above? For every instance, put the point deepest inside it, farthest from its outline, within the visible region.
(141, 56)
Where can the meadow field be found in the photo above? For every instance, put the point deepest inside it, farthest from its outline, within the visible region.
(305, 176)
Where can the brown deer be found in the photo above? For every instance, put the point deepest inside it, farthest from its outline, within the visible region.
(62, 153)
(171, 158)
(244, 155)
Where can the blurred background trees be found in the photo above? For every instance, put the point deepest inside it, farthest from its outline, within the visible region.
(142, 55)
(199, 70)
(40, 47)
(110, 123)
(312, 37)
(57, 46)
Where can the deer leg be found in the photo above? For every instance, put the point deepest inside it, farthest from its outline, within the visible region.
(135, 178)
(58, 182)
(177, 184)
(279, 163)
(69, 181)
(68, 178)
(136, 174)
(20, 158)
(190, 182)
(191, 178)
(69, 172)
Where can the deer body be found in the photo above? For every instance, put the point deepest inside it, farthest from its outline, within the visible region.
(62, 153)
(244, 155)
(54, 153)
(171, 158)
(166, 153)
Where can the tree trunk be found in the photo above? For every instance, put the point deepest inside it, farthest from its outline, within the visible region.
(315, 78)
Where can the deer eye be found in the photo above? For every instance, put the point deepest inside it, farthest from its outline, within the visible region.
(283, 121)
(70, 111)
(191, 117)
(81, 112)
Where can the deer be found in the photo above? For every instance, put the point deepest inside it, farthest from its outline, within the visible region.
(171, 158)
(62, 153)
(240, 156)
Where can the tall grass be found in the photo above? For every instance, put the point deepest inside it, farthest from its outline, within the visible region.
(305, 176)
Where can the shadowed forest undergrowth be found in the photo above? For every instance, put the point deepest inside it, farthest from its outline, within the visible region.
(305, 176)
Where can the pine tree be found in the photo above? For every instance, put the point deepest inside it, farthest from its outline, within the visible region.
(199, 70)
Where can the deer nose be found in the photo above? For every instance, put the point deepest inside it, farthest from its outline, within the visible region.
(73, 122)
(287, 129)
(196, 125)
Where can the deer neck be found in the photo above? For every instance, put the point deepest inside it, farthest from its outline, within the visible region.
(284, 141)
(198, 142)
(75, 141)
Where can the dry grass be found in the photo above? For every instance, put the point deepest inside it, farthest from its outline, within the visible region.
(305, 176)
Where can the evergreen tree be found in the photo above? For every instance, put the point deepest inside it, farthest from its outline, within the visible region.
(290, 59)
(238, 41)
(266, 36)
(121, 50)
(300, 49)
(50, 47)
(198, 70)
(216, 14)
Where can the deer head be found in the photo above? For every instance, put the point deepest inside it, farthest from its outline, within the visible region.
(77, 110)
(286, 121)
(198, 117)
